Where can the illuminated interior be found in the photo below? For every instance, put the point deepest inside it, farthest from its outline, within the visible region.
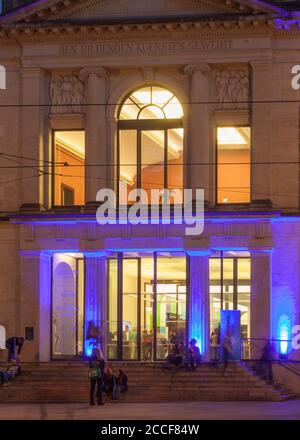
(230, 275)
(67, 305)
(151, 151)
(69, 149)
(233, 169)
(138, 293)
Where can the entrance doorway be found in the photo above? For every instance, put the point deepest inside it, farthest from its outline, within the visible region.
(230, 281)
(67, 305)
(147, 303)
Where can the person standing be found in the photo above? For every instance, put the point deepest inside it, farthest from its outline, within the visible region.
(97, 364)
(12, 344)
(265, 362)
(215, 345)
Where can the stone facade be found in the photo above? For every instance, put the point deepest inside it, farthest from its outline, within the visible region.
(69, 66)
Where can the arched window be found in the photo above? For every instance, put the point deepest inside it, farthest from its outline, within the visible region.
(150, 141)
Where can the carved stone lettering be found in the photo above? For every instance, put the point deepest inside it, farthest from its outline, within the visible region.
(127, 48)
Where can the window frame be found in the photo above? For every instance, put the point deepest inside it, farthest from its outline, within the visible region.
(52, 165)
(218, 204)
(140, 125)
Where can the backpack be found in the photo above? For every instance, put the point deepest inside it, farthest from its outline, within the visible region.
(94, 373)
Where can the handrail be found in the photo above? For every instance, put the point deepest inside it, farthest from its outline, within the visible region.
(282, 364)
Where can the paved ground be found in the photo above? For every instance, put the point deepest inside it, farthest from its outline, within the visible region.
(289, 410)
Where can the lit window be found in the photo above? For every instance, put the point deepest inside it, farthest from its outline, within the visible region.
(68, 167)
(233, 165)
(150, 148)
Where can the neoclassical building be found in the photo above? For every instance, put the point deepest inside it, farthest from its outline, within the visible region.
(152, 94)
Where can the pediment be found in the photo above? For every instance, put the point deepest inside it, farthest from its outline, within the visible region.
(77, 10)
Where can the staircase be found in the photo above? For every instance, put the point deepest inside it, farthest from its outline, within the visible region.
(148, 382)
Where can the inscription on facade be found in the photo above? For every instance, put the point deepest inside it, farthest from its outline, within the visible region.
(143, 47)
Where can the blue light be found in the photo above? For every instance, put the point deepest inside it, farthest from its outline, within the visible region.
(284, 334)
(89, 350)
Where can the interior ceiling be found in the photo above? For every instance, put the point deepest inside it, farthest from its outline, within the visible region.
(230, 138)
(73, 141)
(167, 268)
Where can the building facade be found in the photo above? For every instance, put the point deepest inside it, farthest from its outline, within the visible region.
(127, 94)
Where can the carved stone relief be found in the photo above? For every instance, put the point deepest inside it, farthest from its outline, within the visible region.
(66, 94)
(232, 89)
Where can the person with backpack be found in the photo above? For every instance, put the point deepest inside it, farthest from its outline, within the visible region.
(96, 364)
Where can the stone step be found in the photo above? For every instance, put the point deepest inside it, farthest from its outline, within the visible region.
(54, 382)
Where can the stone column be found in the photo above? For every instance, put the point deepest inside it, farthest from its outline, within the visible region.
(32, 138)
(30, 287)
(261, 130)
(260, 297)
(95, 148)
(199, 301)
(199, 129)
(95, 296)
(45, 324)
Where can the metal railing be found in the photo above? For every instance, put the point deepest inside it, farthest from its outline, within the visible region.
(252, 349)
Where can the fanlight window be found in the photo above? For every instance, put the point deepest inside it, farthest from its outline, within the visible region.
(151, 103)
(150, 142)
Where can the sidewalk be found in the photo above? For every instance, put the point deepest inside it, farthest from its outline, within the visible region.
(289, 410)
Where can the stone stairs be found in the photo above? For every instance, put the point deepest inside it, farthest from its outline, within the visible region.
(148, 382)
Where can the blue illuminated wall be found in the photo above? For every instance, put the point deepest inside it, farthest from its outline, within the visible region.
(285, 269)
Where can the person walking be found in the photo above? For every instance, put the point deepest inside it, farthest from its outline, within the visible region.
(227, 347)
(97, 364)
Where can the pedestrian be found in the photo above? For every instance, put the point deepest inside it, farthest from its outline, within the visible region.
(193, 355)
(227, 347)
(14, 346)
(120, 386)
(265, 362)
(108, 381)
(96, 364)
(215, 345)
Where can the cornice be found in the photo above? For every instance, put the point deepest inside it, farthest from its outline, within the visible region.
(141, 31)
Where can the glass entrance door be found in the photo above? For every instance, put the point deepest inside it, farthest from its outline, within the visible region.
(230, 275)
(67, 305)
(149, 304)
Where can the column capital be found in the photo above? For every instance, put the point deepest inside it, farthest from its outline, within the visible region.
(95, 254)
(202, 68)
(198, 252)
(86, 72)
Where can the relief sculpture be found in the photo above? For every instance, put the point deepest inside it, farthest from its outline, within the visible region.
(66, 94)
(232, 89)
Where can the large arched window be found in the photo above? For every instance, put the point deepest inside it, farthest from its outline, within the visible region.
(150, 141)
